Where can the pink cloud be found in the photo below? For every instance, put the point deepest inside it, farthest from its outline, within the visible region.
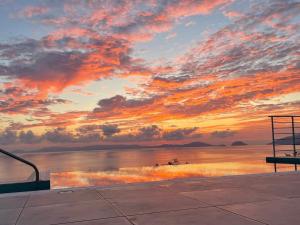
(32, 11)
(232, 14)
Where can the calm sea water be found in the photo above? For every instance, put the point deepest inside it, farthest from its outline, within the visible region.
(107, 167)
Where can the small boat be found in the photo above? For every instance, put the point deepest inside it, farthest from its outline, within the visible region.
(173, 162)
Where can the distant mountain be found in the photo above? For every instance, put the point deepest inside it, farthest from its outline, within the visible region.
(288, 140)
(192, 144)
(238, 143)
(116, 147)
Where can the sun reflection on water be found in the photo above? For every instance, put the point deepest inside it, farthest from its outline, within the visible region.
(152, 173)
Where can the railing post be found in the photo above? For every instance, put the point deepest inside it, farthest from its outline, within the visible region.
(294, 139)
(273, 142)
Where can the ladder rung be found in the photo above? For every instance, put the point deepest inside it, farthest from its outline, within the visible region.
(284, 150)
(275, 128)
(284, 116)
(281, 122)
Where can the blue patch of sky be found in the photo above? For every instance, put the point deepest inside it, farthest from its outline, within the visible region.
(162, 49)
(242, 5)
(14, 27)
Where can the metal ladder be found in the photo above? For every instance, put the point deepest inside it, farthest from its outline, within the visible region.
(286, 125)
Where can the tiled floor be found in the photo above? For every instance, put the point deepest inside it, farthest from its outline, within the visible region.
(272, 199)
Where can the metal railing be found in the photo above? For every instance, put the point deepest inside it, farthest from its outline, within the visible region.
(287, 126)
(37, 174)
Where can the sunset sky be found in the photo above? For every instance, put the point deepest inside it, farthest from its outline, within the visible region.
(75, 72)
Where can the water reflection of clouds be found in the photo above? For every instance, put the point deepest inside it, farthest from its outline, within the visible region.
(146, 174)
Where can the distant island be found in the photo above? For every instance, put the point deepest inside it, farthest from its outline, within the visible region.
(238, 143)
(192, 144)
(288, 140)
(121, 146)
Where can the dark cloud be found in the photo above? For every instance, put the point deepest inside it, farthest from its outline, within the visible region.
(15, 91)
(119, 102)
(29, 137)
(223, 134)
(110, 129)
(176, 79)
(22, 50)
(149, 133)
(180, 134)
(111, 133)
(11, 136)
(86, 138)
(88, 128)
(155, 133)
(15, 106)
(15, 126)
(92, 133)
(279, 106)
(59, 135)
(8, 137)
(39, 66)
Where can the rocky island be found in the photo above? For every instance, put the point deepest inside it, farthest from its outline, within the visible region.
(238, 143)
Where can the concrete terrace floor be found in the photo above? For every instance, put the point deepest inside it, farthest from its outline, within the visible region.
(233, 200)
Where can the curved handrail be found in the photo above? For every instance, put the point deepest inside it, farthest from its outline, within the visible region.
(37, 173)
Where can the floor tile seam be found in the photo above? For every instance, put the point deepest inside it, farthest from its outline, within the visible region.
(22, 209)
(250, 218)
(172, 191)
(262, 201)
(291, 197)
(182, 196)
(168, 211)
(278, 196)
(190, 197)
(64, 203)
(237, 203)
(115, 208)
(26, 201)
(159, 197)
(273, 192)
(87, 220)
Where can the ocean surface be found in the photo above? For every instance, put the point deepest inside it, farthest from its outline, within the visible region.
(110, 167)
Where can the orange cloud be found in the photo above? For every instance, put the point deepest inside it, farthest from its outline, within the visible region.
(230, 95)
